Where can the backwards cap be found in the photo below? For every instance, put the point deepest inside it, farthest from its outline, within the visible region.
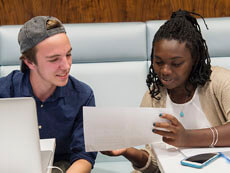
(35, 30)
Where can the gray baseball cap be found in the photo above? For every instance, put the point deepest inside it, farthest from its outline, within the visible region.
(35, 30)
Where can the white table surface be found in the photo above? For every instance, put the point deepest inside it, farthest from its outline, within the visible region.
(48, 144)
(169, 162)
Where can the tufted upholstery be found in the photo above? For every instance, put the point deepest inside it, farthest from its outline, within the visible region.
(113, 59)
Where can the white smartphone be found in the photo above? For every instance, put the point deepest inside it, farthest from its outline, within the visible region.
(200, 160)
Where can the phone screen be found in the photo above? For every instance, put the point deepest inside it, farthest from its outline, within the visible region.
(201, 158)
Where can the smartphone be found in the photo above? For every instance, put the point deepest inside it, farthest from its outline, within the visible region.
(200, 160)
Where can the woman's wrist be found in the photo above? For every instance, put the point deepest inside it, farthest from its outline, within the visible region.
(187, 138)
(138, 158)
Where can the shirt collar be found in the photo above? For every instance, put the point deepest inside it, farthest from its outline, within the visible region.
(28, 92)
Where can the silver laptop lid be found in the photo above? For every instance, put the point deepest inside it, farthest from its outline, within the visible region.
(19, 146)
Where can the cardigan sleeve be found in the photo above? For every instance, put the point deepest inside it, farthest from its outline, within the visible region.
(215, 97)
(151, 165)
(221, 86)
(146, 100)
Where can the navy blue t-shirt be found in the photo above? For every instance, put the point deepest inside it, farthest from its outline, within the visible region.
(60, 116)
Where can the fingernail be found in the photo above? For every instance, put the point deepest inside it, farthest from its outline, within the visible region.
(154, 124)
(160, 114)
(153, 130)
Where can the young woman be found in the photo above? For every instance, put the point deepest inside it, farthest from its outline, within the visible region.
(181, 77)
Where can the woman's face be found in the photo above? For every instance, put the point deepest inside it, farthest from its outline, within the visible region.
(172, 62)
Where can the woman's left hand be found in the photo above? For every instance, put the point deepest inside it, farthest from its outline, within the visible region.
(174, 134)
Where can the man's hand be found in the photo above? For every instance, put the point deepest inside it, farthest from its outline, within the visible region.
(115, 152)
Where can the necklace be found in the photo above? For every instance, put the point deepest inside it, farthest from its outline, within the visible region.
(188, 96)
(182, 109)
(181, 112)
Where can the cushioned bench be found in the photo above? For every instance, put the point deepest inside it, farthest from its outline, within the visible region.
(113, 58)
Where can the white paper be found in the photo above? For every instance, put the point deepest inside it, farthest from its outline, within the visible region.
(120, 127)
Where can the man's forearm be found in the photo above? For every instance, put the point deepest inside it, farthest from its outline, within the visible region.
(80, 166)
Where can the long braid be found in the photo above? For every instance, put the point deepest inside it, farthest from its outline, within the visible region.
(184, 28)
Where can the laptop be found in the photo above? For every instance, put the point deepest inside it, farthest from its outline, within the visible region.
(19, 137)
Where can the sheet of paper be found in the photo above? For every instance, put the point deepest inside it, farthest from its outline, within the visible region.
(120, 127)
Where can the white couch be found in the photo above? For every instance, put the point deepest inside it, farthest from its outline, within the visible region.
(113, 58)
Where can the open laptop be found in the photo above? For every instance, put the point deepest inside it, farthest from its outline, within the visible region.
(19, 137)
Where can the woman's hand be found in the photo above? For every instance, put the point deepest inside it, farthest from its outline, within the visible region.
(115, 152)
(174, 133)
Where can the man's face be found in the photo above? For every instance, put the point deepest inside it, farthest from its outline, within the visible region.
(54, 61)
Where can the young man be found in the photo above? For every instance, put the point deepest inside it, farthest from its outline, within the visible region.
(45, 66)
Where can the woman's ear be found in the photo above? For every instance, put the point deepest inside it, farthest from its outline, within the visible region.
(29, 63)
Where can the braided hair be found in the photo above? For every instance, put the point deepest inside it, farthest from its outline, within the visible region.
(184, 28)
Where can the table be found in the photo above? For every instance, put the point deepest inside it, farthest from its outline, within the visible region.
(48, 144)
(169, 161)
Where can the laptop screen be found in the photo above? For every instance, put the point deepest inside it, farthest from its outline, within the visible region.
(19, 146)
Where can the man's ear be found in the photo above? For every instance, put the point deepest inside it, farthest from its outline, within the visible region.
(29, 64)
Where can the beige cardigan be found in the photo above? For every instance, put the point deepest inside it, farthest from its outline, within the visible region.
(215, 102)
